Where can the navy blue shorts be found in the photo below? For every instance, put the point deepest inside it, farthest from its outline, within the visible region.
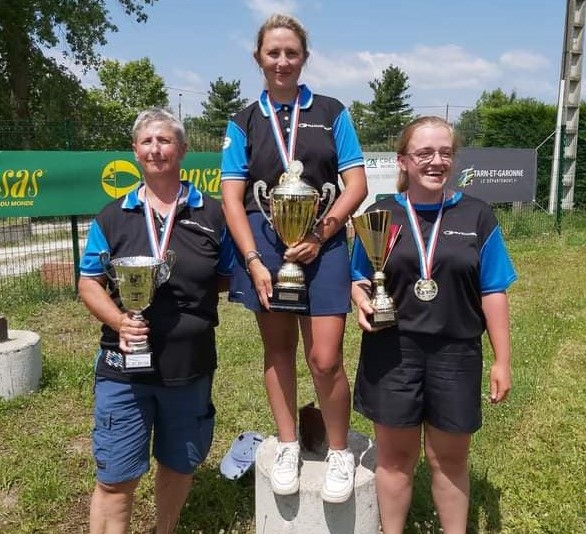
(327, 278)
(180, 418)
(404, 380)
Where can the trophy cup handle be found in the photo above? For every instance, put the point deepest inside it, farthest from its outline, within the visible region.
(164, 270)
(105, 261)
(328, 190)
(260, 190)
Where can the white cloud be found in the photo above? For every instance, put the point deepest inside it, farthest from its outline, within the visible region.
(264, 8)
(446, 67)
(524, 60)
(442, 67)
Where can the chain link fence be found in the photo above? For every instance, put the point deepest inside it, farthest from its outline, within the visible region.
(40, 256)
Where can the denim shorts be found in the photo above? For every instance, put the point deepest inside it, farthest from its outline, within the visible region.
(327, 278)
(405, 380)
(179, 419)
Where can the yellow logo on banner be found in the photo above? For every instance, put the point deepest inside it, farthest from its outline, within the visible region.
(119, 177)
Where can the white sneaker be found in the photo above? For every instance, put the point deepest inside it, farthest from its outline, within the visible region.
(339, 480)
(285, 471)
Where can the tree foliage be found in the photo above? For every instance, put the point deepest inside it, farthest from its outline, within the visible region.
(223, 101)
(28, 27)
(380, 121)
(470, 125)
(126, 90)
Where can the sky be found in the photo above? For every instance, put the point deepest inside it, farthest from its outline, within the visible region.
(450, 50)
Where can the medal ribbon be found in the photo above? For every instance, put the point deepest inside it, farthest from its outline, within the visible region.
(425, 255)
(159, 248)
(287, 152)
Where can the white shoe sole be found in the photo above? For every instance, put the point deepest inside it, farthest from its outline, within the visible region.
(285, 490)
(336, 499)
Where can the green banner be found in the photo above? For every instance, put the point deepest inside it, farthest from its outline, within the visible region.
(60, 183)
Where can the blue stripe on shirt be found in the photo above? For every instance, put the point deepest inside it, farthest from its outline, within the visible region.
(496, 269)
(90, 264)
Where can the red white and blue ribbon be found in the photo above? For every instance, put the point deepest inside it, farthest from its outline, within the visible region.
(159, 247)
(425, 254)
(286, 150)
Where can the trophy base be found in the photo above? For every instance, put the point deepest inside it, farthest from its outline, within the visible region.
(383, 319)
(137, 362)
(289, 299)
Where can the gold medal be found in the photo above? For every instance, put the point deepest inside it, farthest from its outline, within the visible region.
(425, 289)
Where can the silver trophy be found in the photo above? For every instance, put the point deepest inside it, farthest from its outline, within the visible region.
(293, 206)
(136, 278)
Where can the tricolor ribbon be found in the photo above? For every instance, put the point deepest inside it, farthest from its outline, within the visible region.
(393, 236)
(425, 254)
(159, 247)
(286, 150)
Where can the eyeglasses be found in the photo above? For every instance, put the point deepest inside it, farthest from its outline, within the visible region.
(423, 157)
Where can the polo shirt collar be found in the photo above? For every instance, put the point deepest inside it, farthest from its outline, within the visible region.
(194, 198)
(305, 100)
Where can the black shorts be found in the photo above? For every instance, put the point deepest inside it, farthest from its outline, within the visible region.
(404, 380)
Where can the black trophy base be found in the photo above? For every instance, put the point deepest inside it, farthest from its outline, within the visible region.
(383, 319)
(137, 362)
(289, 299)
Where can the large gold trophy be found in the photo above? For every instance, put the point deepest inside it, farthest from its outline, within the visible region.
(293, 206)
(136, 278)
(378, 236)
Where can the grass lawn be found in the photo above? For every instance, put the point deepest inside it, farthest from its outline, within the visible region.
(528, 463)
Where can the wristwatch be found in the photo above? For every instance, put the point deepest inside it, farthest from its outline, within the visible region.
(250, 257)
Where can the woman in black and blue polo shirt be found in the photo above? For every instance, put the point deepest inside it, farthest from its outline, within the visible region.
(287, 129)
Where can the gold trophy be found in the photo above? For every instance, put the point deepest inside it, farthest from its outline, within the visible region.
(136, 278)
(293, 206)
(378, 237)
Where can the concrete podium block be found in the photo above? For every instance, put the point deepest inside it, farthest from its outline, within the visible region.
(20, 364)
(306, 512)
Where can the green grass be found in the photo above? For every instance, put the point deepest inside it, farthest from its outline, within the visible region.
(528, 462)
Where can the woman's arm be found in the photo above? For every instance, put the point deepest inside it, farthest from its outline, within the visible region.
(237, 221)
(496, 310)
(354, 192)
(94, 295)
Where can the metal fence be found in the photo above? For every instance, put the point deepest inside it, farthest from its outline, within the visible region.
(40, 257)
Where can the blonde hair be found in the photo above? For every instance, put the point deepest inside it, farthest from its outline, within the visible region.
(281, 21)
(158, 115)
(407, 134)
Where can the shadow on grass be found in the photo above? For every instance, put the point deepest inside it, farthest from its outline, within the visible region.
(484, 514)
(217, 504)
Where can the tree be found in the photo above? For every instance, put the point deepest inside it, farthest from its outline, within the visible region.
(134, 85)
(206, 132)
(379, 122)
(222, 103)
(126, 90)
(469, 125)
(28, 26)
(390, 112)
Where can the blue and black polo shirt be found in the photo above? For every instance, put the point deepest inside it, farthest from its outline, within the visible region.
(184, 311)
(470, 260)
(327, 143)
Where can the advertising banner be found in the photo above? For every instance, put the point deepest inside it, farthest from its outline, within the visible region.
(496, 174)
(60, 183)
(381, 172)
